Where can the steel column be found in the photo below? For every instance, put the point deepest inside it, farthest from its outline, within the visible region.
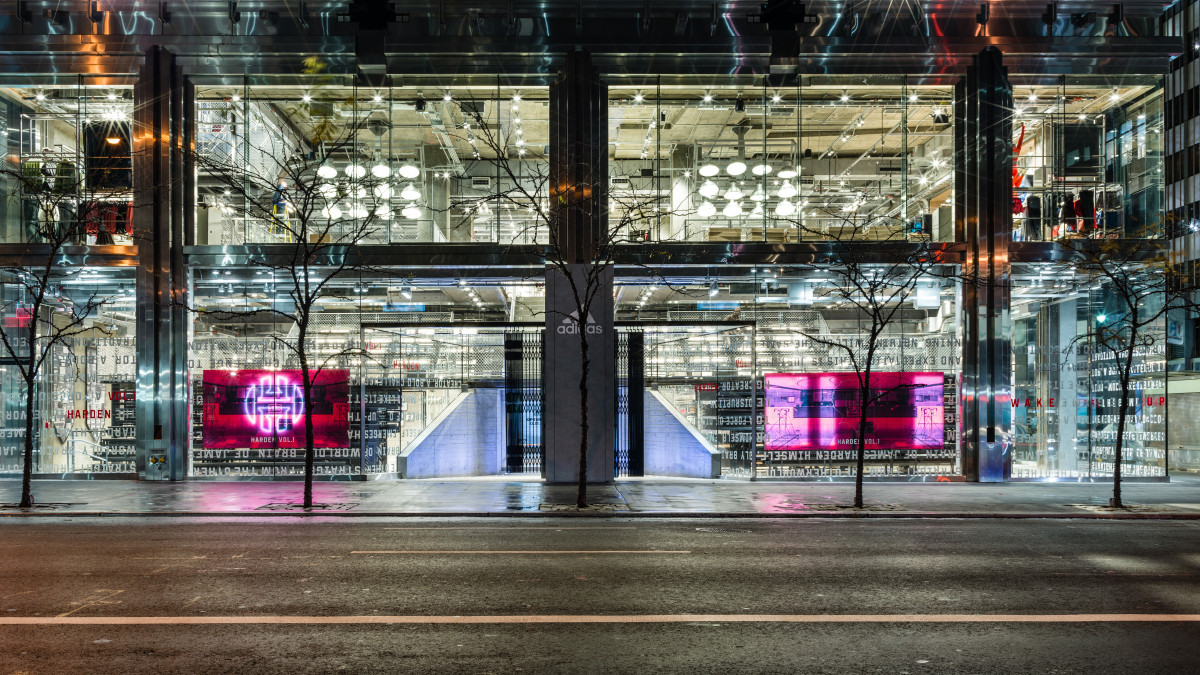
(161, 101)
(983, 164)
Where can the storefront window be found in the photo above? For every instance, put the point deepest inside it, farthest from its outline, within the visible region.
(440, 162)
(84, 416)
(406, 386)
(828, 158)
(68, 163)
(1066, 387)
(734, 353)
(1087, 159)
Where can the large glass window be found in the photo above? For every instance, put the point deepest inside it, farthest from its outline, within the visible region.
(68, 163)
(433, 162)
(1066, 389)
(1087, 159)
(861, 158)
(84, 415)
(737, 353)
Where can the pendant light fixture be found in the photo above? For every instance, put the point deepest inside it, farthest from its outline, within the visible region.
(709, 170)
(409, 170)
(410, 193)
(787, 190)
(732, 210)
(381, 170)
(327, 172)
(411, 212)
(355, 171)
(784, 208)
(734, 193)
(709, 189)
(706, 210)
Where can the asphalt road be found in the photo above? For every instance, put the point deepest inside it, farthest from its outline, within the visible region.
(758, 595)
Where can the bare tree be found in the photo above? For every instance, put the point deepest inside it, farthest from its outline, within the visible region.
(309, 190)
(584, 261)
(874, 269)
(44, 315)
(1138, 283)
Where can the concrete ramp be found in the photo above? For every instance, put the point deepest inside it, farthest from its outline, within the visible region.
(466, 439)
(673, 446)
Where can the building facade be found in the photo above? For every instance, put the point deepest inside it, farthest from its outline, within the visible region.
(399, 227)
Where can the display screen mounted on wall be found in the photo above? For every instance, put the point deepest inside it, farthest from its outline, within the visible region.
(819, 411)
(265, 409)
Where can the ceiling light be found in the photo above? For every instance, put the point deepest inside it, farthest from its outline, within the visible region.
(707, 98)
(113, 140)
(327, 190)
(784, 208)
(734, 193)
(381, 170)
(327, 172)
(732, 210)
(40, 96)
(409, 170)
(331, 212)
(355, 171)
(637, 98)
(447, 97)
(410, 193)
(758, 195)
(112, 96)
(377, 98)
(761, 169)
(776, 98)
(709, 189)
(787, 173)
(411, 212)
(383, 212)
(706, 210)
(235, 98)
(912, 98)
(306, 98)
(359, 212)
(383, 191)
(758, 210)
(709, 170)
(1032, 96)
(736, 168)
(787, 190)
(516, 98)
(845, 97)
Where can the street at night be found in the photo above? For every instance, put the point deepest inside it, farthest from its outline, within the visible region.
(597, 595)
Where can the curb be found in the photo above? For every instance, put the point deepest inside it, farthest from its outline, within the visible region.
(893, 515)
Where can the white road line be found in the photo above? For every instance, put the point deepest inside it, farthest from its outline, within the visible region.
(505, 528)
(510, 552)
(598, 618)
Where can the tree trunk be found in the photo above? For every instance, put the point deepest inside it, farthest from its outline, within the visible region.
(864, 393)
(27, 471)
(1119, 442)
(309, 451)
(585, 364)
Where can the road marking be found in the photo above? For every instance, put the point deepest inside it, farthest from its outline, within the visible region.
(101, 596)
(509, 552)
(600, 618)
(505, 528)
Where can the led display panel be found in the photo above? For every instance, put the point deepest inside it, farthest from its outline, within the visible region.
(265, 409)
(820, 411)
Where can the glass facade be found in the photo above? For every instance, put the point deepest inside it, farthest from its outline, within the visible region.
(379, 227)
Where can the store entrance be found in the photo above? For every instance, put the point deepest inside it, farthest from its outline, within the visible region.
(686, 399)
(453, 401)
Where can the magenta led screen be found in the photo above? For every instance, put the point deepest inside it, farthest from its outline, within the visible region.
(265, 409)
(820, 411)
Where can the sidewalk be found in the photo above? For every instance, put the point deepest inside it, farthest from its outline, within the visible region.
(1179, 499)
